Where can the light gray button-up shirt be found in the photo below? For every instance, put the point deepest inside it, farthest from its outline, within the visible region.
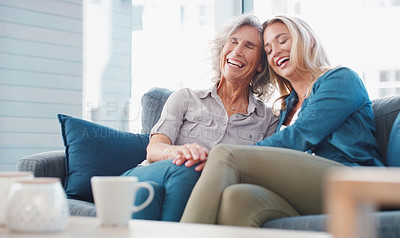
(198, 116)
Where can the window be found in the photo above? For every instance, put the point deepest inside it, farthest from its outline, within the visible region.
(384, 76)
(397, 77)
(395, 2)
(389, 82)
(387, 91)
(297, 8)
(356, 34)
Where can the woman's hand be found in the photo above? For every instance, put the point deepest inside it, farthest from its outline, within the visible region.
(190, 154)
(160, 148)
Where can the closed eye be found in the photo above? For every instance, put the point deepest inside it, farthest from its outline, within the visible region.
(251, 46)
(233, 41)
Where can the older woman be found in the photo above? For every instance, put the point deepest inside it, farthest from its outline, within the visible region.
(192, 122)
(325, 121)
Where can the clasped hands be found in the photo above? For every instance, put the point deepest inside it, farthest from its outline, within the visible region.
(190, 154)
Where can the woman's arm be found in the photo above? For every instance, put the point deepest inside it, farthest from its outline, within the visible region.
(158, 148)
(166, 130)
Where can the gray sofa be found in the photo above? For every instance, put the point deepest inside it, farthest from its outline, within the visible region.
(52, 164)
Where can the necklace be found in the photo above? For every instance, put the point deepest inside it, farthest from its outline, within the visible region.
(304, 96)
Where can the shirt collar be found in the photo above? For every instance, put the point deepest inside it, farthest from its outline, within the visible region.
(253, 101)
(292, 98)
(211, 90)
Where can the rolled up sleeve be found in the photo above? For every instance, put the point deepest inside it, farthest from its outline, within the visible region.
(172, 115)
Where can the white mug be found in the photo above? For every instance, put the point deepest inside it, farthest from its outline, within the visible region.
(114, 198)
(6, 180)
(37, 205)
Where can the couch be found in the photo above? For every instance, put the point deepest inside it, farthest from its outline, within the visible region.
(54, 163)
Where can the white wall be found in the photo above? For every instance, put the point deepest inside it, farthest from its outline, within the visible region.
(40, 74)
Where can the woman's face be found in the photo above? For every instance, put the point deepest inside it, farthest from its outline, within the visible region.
(240, 56)
(278, 44)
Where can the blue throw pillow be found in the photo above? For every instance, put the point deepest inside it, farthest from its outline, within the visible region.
(393, 150)
(92, 150)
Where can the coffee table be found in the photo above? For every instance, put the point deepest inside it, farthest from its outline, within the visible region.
(79, 227)
(353, 194)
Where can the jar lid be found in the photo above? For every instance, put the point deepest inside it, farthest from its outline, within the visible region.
(41, 180)
(13, 174)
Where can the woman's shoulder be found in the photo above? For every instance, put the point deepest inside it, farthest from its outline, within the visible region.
(339, 75)
(194, 93)
(343, 78)
(338, 70)
(178, 96)
(184, 93)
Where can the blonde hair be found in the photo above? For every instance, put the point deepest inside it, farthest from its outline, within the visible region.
(260, 85)
(307, 55)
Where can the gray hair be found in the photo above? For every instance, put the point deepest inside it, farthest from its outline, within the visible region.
(260, 84)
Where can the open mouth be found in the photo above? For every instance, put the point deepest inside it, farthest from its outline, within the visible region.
(282, 60)
(235, 63)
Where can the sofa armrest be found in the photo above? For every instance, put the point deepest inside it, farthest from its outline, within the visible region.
(385, 110)
(45, 164)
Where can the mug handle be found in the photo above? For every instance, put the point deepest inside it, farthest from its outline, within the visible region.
(149, 198)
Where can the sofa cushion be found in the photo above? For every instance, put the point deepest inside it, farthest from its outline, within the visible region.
(81, 208)
(306, 222)
(385, 110)
(92, 150)
(387, 223)
(393, 152)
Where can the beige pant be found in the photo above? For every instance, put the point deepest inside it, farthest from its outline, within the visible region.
(249, 185)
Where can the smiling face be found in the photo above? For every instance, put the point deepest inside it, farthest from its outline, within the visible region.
(240, 56)
(278, 44)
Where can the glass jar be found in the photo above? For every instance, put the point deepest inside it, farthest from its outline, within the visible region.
(6, 181)
(37, 205)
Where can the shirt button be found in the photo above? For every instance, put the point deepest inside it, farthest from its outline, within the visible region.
(224, 123)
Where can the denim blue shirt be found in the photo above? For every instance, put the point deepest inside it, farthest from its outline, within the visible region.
(335, 121)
